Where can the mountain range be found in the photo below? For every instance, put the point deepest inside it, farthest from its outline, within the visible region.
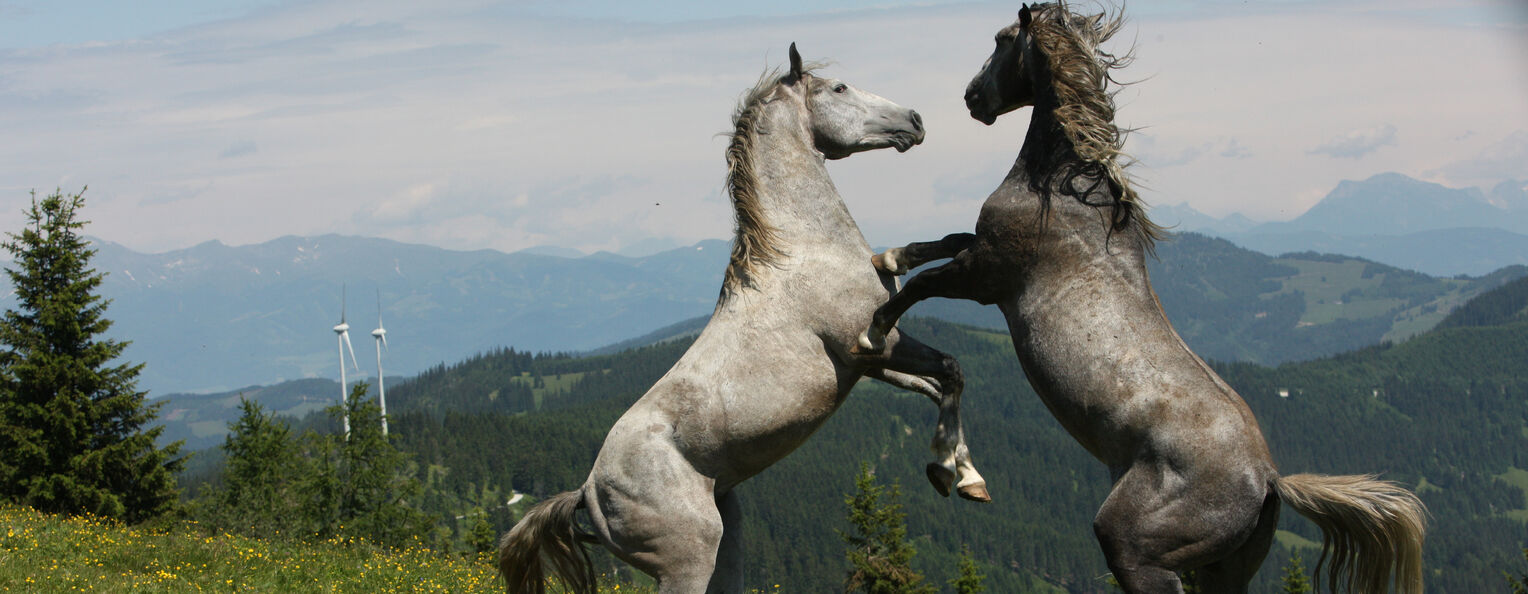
(214, 317)
(1228, 303)
(1389, 218)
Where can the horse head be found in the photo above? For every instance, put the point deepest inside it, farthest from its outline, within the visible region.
(845, 120)
(1017, 67)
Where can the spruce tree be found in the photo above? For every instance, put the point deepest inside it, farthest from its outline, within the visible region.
(969, 579)
(1519, 584)
(361, 484)
(1295, 580)
(72, 420)
(257, 495)
(879, 553)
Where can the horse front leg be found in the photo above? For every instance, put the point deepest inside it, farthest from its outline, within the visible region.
(914, 366)
(952, 280)
(900, 260)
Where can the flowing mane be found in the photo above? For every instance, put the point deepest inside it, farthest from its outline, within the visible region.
(1080, 78)
(754, 243)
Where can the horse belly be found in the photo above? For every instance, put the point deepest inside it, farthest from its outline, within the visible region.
(764, 426)
(733, 415)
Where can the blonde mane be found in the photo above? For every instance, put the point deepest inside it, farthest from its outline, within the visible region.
(1080, 78)
(755, 242)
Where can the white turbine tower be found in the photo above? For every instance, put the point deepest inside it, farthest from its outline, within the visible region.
(342, 331)
(381, 335)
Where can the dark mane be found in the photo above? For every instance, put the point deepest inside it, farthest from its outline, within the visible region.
(1085, 157)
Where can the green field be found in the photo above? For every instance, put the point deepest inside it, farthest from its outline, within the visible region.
(48, 553)
(1517, 477)
(43, 553)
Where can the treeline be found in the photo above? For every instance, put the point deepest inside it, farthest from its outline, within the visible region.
(1445, 413)
(313, 485)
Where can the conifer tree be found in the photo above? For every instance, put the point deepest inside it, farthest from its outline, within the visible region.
(257, 495)
(482, 538)
(879, 554)
(1519, 584)
(362, 485)
(1295, 580)
(72, 420)
(969, 579)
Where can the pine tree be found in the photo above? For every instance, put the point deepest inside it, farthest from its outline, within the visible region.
(482, 538)
(879, 554)
(1519, 584)
(1295, 581)
(72, 436)
(969, 580)
(361, 485)
(257, 495)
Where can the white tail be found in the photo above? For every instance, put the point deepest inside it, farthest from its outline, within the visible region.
(1372, 530)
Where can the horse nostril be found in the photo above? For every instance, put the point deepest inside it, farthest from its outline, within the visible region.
(917, 122)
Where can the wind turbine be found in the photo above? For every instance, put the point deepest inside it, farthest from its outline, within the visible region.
(342, 331)
(381, 335)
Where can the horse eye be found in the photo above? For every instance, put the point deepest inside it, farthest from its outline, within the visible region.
(839, 88)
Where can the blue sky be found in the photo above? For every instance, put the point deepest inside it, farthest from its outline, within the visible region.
(474, 124)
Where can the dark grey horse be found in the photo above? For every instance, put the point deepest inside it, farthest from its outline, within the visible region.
(1060, 247)
(774, 362)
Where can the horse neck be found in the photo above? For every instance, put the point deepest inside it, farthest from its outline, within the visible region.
(1047, 147)
(795, 194)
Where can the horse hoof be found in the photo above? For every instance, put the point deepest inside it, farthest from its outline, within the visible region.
(942, 478)
(887, 262)
(871, 345)
(976, 492)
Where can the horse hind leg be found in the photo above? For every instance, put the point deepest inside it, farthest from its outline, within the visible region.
(1156, 523)
(728, 576)
(1233, 573)
(660, 516)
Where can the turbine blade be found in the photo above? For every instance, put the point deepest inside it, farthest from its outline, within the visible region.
(384, 342)
(346, 335)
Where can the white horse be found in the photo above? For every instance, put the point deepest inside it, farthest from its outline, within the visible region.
(777, 358)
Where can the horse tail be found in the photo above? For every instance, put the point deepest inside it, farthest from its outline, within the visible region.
(1370, 529)
(548, 535)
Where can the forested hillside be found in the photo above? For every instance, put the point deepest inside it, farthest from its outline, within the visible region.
(1234, 304)
(1445, 413)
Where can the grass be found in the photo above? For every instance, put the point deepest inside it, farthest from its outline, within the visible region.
(1517, 477)
(1291, 540)
(551, 384)
(49, 553)
(46, 553)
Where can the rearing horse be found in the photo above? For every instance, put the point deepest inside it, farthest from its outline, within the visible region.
(1060, 247)
(776, 359)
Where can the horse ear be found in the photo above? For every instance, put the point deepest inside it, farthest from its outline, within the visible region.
(1024, 17)
(796, 68)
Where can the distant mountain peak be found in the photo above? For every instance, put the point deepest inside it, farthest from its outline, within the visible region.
(1395, 204)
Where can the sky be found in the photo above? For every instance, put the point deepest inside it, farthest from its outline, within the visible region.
(596, 124)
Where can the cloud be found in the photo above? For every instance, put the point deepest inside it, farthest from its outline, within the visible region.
(1155, 153)
(471, 124)
(1502, 160)
(1357, 143)
(239, 149)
